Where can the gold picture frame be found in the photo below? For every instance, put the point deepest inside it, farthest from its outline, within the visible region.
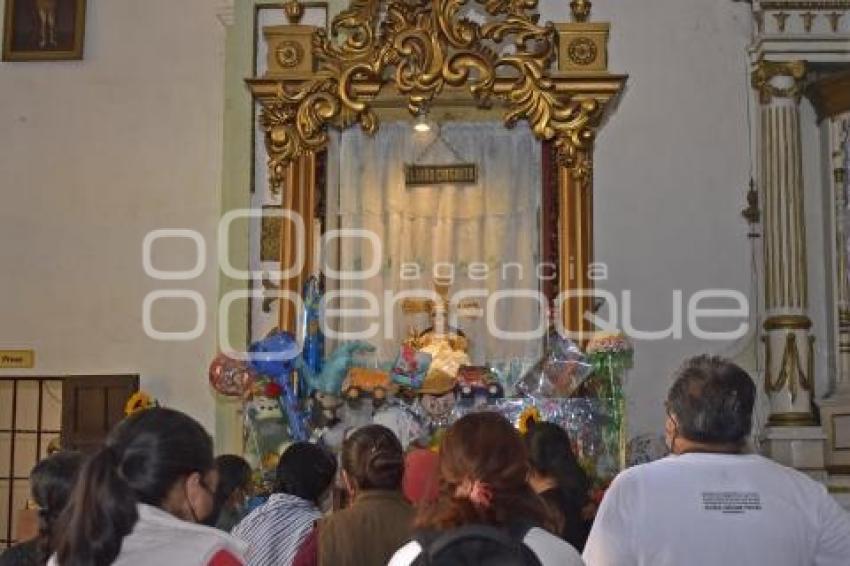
(44, 30)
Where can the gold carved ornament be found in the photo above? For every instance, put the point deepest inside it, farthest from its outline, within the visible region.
(421, 47)
(766, 71)
(791, 372)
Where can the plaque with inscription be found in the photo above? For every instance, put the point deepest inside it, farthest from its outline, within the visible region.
(17, 359)
(419, 175)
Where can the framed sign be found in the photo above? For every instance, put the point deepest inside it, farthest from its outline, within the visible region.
(43, 30)
(418, 175)
(17, 359)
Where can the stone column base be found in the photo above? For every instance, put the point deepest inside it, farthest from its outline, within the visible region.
(800, 447)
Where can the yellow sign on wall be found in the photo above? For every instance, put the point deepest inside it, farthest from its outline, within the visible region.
(17, 359)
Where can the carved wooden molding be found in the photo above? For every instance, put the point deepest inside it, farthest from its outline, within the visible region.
(420, 53)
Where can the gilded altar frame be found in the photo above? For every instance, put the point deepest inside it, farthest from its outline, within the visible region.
(387, 58)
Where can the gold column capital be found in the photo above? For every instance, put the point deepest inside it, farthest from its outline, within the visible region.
(766, 71)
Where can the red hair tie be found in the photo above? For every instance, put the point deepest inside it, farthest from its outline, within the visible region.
(480, 494)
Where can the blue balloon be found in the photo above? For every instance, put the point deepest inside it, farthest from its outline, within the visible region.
(275, 354)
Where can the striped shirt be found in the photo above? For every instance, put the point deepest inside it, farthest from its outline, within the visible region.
(275, 530)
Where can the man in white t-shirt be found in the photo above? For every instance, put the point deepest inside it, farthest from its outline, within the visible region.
(709, 502)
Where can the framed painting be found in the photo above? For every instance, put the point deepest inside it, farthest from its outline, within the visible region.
(44, 30)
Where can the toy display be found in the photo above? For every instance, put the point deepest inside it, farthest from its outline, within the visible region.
(326, 386)
(275, 357)
(292, 393)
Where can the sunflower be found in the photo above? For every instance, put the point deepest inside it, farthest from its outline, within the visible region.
(529, 416)
(139, 401)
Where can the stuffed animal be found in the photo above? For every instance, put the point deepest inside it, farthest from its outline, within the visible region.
(266, 423)
(335, 368)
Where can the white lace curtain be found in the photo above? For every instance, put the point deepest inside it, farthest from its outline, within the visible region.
(494, 222)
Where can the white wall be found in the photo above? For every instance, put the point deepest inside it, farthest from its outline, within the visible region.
(672, 167)
(94, 155)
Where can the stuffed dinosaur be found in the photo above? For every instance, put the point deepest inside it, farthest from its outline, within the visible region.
(335, 368)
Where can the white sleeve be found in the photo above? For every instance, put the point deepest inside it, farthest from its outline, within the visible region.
(608, 543)
(833, 546)
(551, 550)
(405, 555)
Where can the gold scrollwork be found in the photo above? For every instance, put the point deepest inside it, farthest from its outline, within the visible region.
(295, 124)
(422, 47)
(766, 71)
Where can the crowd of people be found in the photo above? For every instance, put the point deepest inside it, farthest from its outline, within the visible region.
(154, 494)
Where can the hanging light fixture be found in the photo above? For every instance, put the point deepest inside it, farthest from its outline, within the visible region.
(422, 125)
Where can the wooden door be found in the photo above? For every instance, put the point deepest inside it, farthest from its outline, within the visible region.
(91, 406)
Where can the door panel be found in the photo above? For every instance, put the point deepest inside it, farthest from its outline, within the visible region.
(91, 406)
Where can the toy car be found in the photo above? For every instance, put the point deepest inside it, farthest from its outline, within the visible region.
(473, 380)
(361, 382)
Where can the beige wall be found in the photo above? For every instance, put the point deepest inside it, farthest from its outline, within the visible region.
(93, 155)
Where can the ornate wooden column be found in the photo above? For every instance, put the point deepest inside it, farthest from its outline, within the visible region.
(788, 345)
(575, 199)
(583, 51)
(299, 197)
(292, 171)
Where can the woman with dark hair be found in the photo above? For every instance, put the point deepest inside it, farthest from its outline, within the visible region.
(51, 481)
(234, 489)
(485, 502)
(138, 500)
(379, 518)
(559, 480)
(275, 531)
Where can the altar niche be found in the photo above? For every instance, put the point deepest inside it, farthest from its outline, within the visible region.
(450, 229)
(329, 97)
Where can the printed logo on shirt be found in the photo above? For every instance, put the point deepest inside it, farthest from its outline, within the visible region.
(731, 502)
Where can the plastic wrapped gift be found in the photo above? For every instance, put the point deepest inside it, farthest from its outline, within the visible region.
(410, 367)
(586, 420)
(563, 368)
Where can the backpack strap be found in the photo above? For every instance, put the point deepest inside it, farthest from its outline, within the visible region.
(519, 529)
(434, 542)
(482, 532)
